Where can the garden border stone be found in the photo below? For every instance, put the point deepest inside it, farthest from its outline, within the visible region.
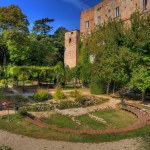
(143, 119)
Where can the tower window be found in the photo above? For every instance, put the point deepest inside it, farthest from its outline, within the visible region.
(98, 10)
(117, 12)
(70, 40)
(99, 20)
(87, 24)
(144, 4)
(136, 5)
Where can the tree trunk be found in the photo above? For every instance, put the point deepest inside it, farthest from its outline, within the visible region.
(23, 86)
(108, 86)
(143, 97)
(114, 87)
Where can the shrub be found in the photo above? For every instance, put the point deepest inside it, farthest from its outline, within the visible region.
(41, 95)
(74, 94)
(23, 111)
(2, 94)
(83, 100)
(5, 148)
(58, 94)
(68, 104)
(4, 83)
(42, 107)
(89, 101)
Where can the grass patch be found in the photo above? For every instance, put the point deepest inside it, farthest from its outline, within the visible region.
(90, 123)
(19, 125)
(114, 118)
(61, 121)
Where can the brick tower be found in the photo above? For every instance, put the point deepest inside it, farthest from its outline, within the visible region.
(71, 48)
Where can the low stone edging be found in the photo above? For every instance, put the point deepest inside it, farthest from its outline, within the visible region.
(143, 119)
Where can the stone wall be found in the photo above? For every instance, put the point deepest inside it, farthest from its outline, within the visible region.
(87, 15)
(107, 9)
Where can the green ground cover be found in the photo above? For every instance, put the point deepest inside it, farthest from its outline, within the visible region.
(114, 119)
(19, 125)
(61, 121)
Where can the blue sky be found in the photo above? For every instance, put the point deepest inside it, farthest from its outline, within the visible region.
(65, 12)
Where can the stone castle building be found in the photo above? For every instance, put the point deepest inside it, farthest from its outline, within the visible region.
(96, 16)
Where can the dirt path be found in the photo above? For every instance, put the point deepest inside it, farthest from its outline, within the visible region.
(19, 142)
(112, 103)
(2, 113)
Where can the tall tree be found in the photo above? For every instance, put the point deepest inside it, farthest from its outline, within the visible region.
(58, 42)
(11, 17)
(18, 46)
(11, 20)
(42, 52)
(42, 26)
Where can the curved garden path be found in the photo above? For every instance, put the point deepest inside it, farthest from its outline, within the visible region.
(19, 142)
(112, 103)
(142, 115)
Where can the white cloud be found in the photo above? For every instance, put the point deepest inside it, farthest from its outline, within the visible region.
(76, 3)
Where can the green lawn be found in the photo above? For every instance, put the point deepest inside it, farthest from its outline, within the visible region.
(116, 118)
(61, 121)
(19, 125)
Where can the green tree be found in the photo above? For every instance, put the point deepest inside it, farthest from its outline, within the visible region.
(42, 52)
(11, 17)
(42, 27)
(141, 80)
(18, 46)
(58, 43)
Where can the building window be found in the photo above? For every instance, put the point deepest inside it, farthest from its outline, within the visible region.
(70, 40)
(99, 21)
(87, 24)
(144, 4)
(136, 5)
(98, 10)
(117, 12)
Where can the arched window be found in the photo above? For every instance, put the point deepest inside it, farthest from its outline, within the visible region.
(99, 21)
(70, 40)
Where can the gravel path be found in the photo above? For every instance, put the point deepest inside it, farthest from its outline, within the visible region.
(19, 142)
(2, 113)
(112, 103)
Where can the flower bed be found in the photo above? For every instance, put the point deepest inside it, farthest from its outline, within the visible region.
(66, 104)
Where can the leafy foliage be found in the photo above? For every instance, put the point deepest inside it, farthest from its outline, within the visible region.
(41, 27)
(58, 93)
(41, 95)
(5, 147)
(121, 55)
(22, 111)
